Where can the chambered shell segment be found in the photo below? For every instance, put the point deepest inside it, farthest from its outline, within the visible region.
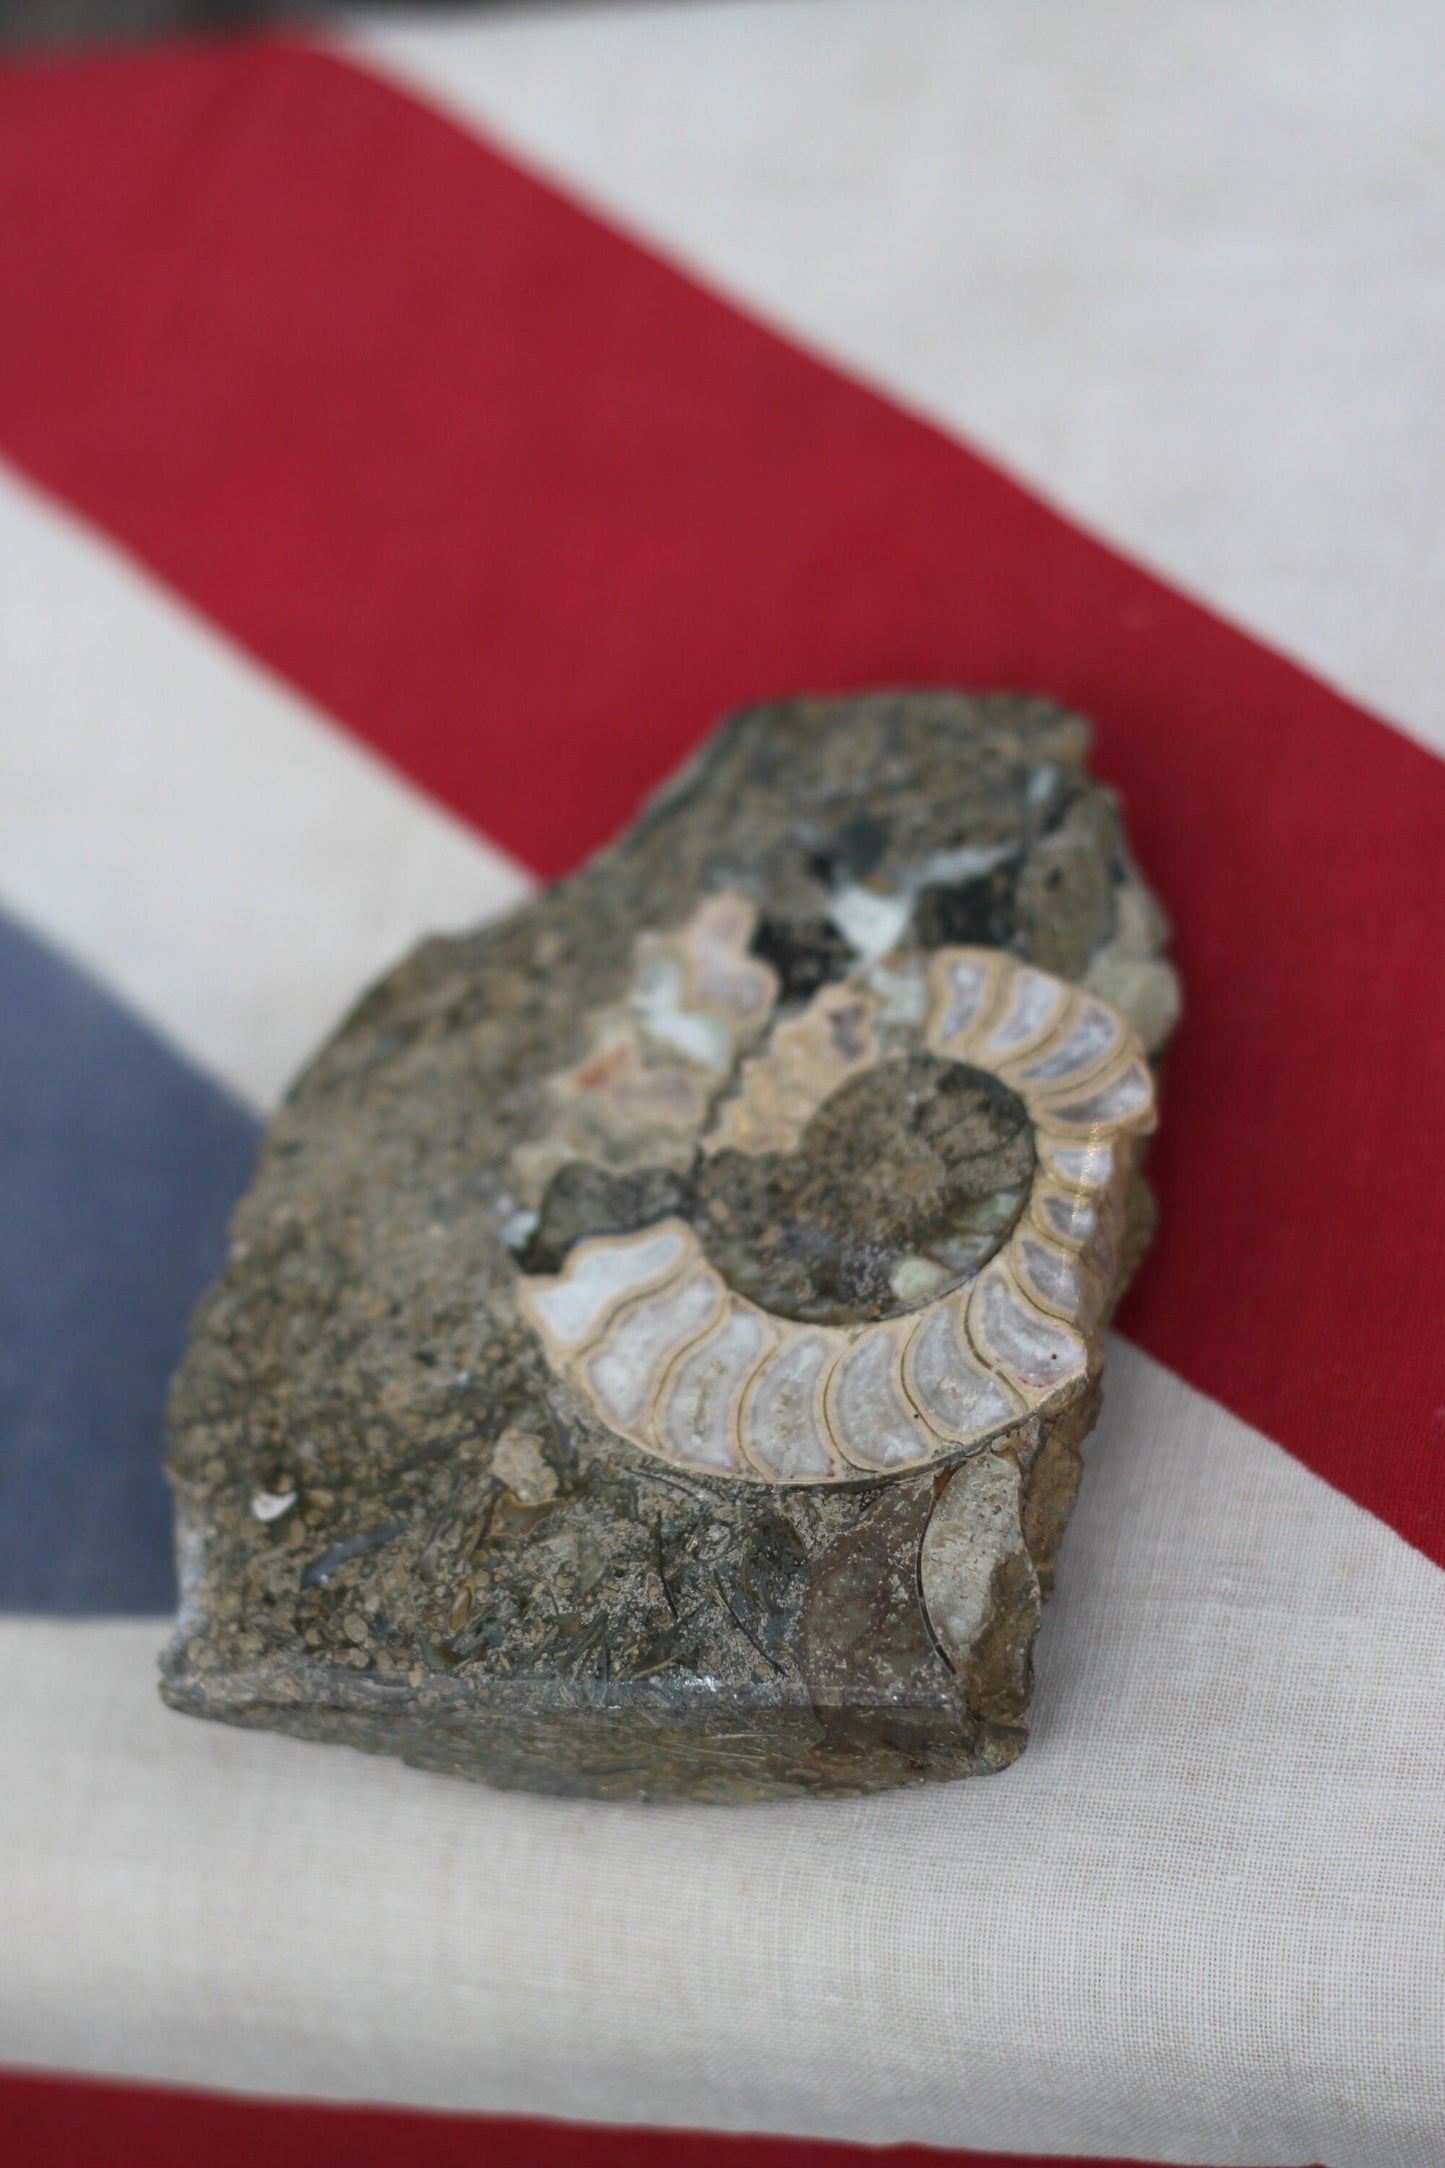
(647, 1329)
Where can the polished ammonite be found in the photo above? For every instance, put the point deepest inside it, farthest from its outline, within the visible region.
(654, 1354)
(647, 1328)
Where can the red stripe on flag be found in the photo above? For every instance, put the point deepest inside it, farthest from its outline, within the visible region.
(52, 2120)
(527, 509)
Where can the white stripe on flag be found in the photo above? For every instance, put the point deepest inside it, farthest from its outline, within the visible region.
(188, 828)
(1201, 1920)
(1179, 267)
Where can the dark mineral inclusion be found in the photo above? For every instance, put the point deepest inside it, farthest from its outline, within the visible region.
(420, 1514)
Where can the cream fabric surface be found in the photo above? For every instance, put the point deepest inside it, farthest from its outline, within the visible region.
(1201, 1920)
(1180, 267)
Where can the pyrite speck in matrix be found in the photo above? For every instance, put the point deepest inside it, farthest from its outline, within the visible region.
(654, 1353)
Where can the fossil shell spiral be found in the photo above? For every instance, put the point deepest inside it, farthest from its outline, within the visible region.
(647, 1329)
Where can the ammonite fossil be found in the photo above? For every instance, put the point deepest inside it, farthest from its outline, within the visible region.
(655, 1353)
(671, 1357)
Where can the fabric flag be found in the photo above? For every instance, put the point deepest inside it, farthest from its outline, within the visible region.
(410, 443)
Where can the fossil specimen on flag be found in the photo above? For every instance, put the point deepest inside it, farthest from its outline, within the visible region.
(654, 1355)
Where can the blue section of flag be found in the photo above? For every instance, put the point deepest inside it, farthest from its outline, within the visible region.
(118, 1167)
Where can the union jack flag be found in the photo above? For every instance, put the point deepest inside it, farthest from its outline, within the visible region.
(413, 437)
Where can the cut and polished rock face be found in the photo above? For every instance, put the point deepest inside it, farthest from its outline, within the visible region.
(653, 1357)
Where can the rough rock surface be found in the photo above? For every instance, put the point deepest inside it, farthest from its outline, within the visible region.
(405, 1525)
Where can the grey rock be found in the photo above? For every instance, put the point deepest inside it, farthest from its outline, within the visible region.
(748, 1523)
